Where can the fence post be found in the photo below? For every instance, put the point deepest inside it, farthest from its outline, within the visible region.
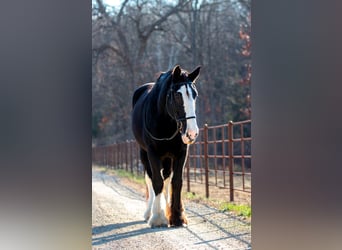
(137, 156)
(122, 154)
(109, 156)
(114, 156)
(242, 156)
(119, 155)
(231, 160)
(113, 151)
(93, 155)
(206, 162)
(131, 154)
(126, 153)
(187, 165)
(104, 156)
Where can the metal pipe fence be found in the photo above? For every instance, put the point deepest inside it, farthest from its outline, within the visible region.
(220, 157)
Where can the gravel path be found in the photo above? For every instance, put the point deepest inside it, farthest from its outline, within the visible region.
(117, 222)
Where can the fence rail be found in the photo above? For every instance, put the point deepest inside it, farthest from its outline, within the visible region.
(221, 157)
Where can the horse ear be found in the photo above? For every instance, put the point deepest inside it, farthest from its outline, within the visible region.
(176, 72)
(194, 74)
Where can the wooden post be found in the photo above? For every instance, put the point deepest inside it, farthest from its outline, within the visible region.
(126, 154)
(231, 160)
(131, 154)
(187, 165)
(206, 160)
(137, 156)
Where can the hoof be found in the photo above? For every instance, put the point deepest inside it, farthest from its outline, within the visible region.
(158, 220)
(179, 221)
(147, 215)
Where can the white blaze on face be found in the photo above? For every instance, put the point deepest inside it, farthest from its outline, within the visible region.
(191, 131)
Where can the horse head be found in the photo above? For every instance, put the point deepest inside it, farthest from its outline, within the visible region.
(181, 102)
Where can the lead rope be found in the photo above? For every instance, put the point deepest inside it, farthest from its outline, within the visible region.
(162, 139)
(179, 127)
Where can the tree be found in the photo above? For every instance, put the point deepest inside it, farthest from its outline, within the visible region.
(132, 43)
(245, 36)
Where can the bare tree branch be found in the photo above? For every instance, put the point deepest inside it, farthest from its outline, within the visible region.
(102, 8)
(121, 11)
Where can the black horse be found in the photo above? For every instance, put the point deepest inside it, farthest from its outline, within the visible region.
(164, 124)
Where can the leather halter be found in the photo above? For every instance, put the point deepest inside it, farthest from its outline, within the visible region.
(170, 95)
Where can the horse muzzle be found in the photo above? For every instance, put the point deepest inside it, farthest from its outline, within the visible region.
(189, 137)
(189, 129)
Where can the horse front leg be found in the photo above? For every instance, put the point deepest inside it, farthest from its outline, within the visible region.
(177, 214)
(157, 218)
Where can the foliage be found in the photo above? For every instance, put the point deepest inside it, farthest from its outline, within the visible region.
(133, 42)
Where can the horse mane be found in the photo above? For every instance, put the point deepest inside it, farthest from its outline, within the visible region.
(158, 90)
(161, 87)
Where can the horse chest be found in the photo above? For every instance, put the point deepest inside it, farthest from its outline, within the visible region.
(170, 149)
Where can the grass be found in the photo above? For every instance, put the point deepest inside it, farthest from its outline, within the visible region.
(101, 168)
(122, 173)
(129, 175)
(191, 196)
(240, 210)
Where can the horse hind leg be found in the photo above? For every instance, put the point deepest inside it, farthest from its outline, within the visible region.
(150, 197)
(149, 188)
(167, 190)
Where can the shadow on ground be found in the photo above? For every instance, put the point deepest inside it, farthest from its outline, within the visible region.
(119, 236)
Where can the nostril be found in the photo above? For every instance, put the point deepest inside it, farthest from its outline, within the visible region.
(192, 136)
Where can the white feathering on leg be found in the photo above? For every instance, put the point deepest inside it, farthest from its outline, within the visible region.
(167, 188)
(158, 218)
(151, 195)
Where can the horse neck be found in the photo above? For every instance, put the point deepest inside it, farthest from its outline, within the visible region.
(158, 111)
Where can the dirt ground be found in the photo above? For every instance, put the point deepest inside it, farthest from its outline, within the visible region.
(118, 206)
